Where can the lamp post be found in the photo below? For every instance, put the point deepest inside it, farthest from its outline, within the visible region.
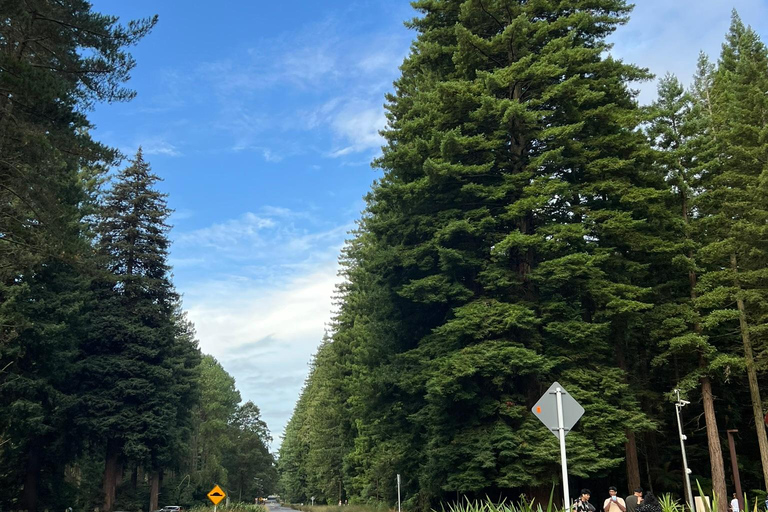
(678, 408)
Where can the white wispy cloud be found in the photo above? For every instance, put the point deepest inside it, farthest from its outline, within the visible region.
(160, 147)
(265, 301)
(357, 124)
(151, 145)
(230, 234)
(181, 214)
(272, 239)
(668, 36)
(343, 73)
(265, 335)
(271, 156)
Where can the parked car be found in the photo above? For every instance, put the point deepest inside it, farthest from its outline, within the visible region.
(172, 508)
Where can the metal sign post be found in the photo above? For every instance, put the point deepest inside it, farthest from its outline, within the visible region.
(563, 458)
(559, 412)
(398, 492)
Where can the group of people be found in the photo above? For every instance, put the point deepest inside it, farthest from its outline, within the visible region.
(636, 502)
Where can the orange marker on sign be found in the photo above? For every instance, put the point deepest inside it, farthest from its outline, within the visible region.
(538, 410)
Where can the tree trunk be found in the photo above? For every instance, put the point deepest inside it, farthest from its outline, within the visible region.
(31, 479)
(633, 466)
(715, 448)
(154, 489)
(716, 464)
(754, 388)
(135, 478)
(540, 495)
(646, 457)
(110, 474)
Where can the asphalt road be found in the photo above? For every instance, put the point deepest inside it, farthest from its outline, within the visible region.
(277, 508)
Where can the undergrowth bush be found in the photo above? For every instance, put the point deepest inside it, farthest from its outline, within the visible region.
(374, 507)
(232, 507)
(488, 505)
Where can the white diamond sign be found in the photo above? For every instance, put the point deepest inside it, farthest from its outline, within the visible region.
(558, 410)
(546, 410)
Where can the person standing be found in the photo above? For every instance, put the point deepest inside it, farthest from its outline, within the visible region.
(735, 503)
(650, 504)
(634, 500)
(583, 504)
(614, 503)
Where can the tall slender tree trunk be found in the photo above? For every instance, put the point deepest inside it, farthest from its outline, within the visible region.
(154, 490)
(716, 464)
(633, 464)
(715, 448)
(31, 479)
(749, 361)
(630, 446)
(648, 444)
(110, 474)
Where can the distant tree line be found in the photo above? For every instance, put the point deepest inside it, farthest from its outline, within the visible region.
(105, 399)
(534, 223)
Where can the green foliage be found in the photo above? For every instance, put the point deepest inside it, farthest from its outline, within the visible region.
(218, 403)
(133, 366)
(352, 507)
(487, 505)
(251, 467)
(533, 224)
(670, 504)
(57, 59)
(98, 363)
(709, 505)
(232, 507)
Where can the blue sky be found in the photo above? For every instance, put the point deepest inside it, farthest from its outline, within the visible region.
(262, 119)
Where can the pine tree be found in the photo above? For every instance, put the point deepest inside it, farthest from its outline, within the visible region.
(732, 203)
(291, 465)
(127, 385)
(518, 252)
(251, 467)
(57, 59)
(38, 393)
(678, 131)
(504, 245)
(219, 400)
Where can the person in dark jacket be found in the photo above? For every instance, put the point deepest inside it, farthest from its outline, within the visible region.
(650, 503)
(583, 504)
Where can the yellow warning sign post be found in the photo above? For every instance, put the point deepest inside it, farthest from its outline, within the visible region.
(216, 495)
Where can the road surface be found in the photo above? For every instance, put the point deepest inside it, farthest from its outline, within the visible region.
(273, 507)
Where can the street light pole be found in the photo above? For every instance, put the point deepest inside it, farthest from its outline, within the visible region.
(678, 408)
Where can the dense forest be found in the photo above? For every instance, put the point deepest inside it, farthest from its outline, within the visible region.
(534, 223)
(105, 398)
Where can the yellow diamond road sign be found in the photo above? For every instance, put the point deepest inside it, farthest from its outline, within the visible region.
(216, 495)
